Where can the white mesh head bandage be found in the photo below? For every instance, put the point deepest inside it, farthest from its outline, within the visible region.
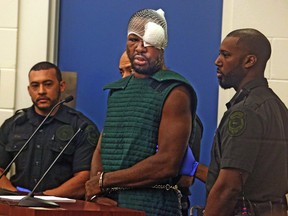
(151, 26)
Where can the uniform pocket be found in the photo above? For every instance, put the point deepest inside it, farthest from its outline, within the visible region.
(61, 138)
(13, 147)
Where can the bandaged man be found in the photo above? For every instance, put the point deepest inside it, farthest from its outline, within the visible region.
(138, 160)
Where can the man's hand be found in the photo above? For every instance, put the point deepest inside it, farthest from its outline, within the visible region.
(92, 187)
(105, 201)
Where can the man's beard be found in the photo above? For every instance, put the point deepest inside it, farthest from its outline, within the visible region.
(231, 80)
(225, 82)
(47, 109)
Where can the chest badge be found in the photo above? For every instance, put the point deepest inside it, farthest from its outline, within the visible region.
(64, 133)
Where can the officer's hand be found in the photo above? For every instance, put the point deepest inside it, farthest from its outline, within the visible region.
(185, 181)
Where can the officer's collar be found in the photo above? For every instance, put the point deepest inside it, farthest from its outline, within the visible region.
(255, 83)
(245, 90)
(36, 119)
(61, 114)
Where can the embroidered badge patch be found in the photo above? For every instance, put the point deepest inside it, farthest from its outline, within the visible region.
(236, 123)
(92, 135)
(64, 133)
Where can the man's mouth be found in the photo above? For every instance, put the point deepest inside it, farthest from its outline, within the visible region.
(219, 73)
(140, 60)
(42, 100)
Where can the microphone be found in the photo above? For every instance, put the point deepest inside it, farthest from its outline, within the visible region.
(30, 200)
(66, 100)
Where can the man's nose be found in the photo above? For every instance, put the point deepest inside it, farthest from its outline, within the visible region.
(217, 61)
(41, 89)
(140, 46)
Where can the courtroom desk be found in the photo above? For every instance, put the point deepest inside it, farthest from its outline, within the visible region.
(79, 208)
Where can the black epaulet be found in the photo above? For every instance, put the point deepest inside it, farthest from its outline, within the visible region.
(20, 116)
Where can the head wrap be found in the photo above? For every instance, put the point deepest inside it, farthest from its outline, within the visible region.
(151, 26)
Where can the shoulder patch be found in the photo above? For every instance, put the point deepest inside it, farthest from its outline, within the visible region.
(92, 135)
(64, 133)
(236, 123)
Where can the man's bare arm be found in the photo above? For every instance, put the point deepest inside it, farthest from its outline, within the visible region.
(72, 188)
(96, 164)
(173, 137)
(5, 182)
(201, 172)
(223, 195)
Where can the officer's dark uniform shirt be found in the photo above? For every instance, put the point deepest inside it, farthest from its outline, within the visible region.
(252, 136)
(45, 146)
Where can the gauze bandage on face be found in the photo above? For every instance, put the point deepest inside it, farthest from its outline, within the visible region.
(151, 26)
(154, 35)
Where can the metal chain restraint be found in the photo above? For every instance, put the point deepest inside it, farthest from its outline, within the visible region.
(159, 187)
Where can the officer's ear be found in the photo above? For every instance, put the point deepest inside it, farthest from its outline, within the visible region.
(250, 61)
(62, 86)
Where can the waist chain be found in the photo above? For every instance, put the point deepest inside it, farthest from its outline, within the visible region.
(157, 187)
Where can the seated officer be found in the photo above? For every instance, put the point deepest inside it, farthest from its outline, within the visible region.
(69, 174)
